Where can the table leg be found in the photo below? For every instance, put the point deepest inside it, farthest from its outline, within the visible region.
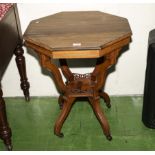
(20, 61)
(5, 131)
(100, 116)
(100, 73)
(65, 70)
(63, 115)
(67, 101)
(46, 63)
(69, 76)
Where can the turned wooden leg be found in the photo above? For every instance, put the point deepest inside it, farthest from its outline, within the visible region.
(5, 131)
(100, 116)
(106, 98)
(63, 115)
(20, 61)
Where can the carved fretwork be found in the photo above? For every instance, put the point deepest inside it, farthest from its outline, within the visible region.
(81, 76)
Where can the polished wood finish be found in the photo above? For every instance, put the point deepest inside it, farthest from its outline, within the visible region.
(70, 35)
(5, 131)
(87, 30)
(11, 42)
(20, 61)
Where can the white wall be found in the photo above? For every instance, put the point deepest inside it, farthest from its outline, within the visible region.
(129, 75)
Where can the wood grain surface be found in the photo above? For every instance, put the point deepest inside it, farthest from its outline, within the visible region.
(69, 31)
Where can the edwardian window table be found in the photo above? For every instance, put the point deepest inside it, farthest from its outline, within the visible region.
(72, 35)
(10, 43)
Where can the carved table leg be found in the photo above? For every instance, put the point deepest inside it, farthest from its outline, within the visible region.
(20, 61)
(5, 131)
(63, 115)
(68, 74)
(100, 116)
(67, 102)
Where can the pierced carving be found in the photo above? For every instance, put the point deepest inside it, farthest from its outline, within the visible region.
(81, 76)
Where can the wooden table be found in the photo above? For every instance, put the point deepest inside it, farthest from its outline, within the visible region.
(72, 35)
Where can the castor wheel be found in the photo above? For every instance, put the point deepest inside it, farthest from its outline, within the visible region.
(60, 106)
(61, 135)
(8, 147)
(27, 98)
(108, 105)
(109, 137)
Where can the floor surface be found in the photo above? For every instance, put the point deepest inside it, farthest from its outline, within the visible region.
(32, 126)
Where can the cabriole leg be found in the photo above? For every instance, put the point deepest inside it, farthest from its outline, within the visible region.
(63, 115)
(100, 116)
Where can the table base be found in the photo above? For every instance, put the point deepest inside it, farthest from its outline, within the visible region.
(66, 102)
(81, 85)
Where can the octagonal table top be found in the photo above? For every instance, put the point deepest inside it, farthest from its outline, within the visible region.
(78, 30)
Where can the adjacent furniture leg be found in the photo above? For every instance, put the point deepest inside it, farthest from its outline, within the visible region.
(5, 131)
(20, 61)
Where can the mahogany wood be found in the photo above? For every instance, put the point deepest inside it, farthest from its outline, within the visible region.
(70, 35)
